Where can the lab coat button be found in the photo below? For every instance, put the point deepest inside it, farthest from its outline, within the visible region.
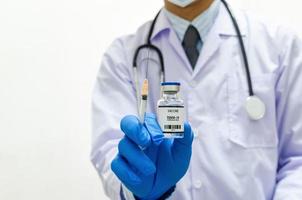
(193, 83)
(198, 184)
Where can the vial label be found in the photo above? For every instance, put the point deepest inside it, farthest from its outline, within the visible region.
(171, 119)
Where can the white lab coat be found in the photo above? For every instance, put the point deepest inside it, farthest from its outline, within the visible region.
(233, 157)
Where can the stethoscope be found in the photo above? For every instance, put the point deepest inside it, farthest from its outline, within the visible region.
(254, 106)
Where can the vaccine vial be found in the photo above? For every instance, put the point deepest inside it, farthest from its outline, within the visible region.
(170, 110)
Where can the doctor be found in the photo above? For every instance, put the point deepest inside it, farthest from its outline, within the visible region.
(225, 154)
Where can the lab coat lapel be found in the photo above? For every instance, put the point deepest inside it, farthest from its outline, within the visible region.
(223, 26)
(210, 46)
(178, 48)
(173, 41)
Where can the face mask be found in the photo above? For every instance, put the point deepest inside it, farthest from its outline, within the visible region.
(182, 3)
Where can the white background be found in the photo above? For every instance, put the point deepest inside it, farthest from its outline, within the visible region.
(50, 52)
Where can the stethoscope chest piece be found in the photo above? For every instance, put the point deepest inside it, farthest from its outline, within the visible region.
(255, 107)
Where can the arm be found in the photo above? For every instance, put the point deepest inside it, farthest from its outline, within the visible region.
(289, 118)
(113, 97)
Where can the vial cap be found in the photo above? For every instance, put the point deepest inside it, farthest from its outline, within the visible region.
(170, 86)
(171, 83)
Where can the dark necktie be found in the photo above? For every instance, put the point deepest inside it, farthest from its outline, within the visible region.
(189, 44)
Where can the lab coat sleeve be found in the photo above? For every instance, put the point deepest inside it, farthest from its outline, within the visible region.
(289, 119)
(113, 97)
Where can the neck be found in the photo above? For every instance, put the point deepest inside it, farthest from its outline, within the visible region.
(190, 12)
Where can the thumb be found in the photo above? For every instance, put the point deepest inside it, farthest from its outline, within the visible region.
(182, 147)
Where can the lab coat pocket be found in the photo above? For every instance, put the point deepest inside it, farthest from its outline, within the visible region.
(243, 130)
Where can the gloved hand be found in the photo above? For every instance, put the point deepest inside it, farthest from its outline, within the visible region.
(149, 173)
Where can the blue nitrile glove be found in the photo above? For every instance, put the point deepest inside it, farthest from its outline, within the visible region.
(149, 173)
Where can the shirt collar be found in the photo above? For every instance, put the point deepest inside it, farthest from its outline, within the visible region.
(223, 23)
(202, 22)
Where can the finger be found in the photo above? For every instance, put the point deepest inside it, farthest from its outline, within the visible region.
(153, 128)
(136, 157)
(124, 172)
(134, 130)
(182, 147)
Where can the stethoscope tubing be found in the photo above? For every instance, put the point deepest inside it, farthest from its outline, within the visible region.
(242, 47)
(150, 46)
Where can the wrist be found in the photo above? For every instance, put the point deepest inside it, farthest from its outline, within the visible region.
(164, 196)
(126, 194)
